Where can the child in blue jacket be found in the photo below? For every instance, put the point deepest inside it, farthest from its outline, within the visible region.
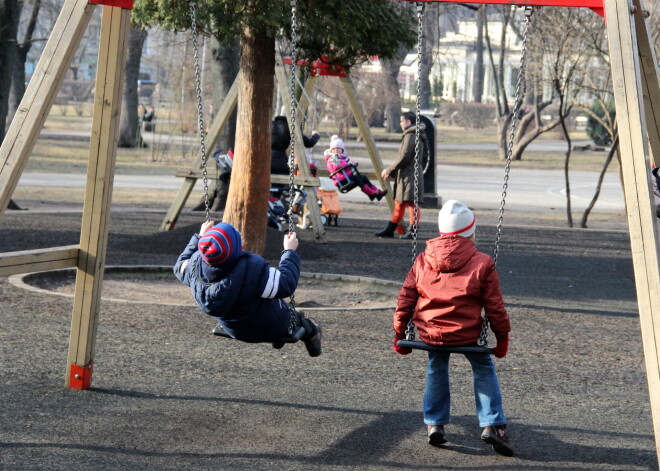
(241, 290)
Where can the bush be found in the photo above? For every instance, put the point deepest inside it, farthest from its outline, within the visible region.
(596, 131)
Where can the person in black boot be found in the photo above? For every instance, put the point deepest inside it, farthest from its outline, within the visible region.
(388, 231)
(403, 172)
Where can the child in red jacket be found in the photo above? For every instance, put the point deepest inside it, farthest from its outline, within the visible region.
(444, 293)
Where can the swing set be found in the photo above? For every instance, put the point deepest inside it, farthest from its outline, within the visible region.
(637, 98)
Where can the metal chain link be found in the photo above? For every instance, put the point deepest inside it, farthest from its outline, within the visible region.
(514, 121)
(410, 329)
(200, 108)
(292, 128)
(482, 341)
(418, 106)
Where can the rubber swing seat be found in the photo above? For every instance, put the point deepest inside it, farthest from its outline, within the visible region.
(419, 345)
(295, 337)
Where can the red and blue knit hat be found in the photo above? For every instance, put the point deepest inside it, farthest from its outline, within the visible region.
(221, 244)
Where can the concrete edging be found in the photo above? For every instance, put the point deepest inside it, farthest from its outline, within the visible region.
(21, 281)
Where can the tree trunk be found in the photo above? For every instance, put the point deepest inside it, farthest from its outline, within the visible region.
(390, 71)
(129, 124)
(478, 77)
(227, 56)
(427, 61)
(18, 74)
(247, 202)
(9, 18)
(599, 185)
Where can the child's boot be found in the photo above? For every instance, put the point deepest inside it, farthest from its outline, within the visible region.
(380, 194)
(497, 437)
(388, 231)
(312, 340)
(437, 435)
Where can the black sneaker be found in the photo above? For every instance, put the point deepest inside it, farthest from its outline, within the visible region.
(437, 435)
(313, 343)
(497, 437)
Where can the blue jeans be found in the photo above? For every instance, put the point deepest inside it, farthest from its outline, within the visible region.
(487, 394)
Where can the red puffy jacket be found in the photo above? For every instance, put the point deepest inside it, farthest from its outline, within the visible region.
(448, 285)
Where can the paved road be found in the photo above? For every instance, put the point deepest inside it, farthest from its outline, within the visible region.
(528, 191)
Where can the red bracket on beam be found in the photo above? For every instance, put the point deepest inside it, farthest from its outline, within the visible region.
(80, 376)
(127, 4)
(320, 68)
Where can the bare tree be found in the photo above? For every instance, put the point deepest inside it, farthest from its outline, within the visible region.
(18, 70)
(10, 12)
(478, 79)
(129, 124)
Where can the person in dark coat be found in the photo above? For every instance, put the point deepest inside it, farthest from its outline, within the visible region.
(241, 290)
(280, 141)
(403, 172)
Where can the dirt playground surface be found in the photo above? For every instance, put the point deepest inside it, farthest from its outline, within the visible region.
(167, 395)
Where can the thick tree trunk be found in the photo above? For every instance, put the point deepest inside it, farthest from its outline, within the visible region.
(9, 18)
(427, 60)
(392, 97)
(18, 74)
(247, 202)
(478, 77)
(227, 56)
(129, 124)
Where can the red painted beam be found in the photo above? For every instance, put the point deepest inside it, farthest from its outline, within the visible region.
(320, 68)
(598, 4)
(595, 5)
(127, 4)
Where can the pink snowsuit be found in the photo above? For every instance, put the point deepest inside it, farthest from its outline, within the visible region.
(336, 162)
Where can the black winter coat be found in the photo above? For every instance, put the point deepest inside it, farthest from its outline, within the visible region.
(280, 140)
(245, 297)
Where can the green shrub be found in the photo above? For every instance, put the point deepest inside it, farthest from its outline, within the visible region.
(596, 131)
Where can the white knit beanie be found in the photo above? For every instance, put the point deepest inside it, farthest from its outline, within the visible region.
(456, 219)
(336, 143)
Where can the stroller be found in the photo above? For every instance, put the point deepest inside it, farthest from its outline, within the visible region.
(278, 206)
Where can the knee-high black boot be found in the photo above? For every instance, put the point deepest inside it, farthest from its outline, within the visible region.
(388, 231)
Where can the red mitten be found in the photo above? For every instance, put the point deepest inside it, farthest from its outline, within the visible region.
(501, 348)
(400, 350)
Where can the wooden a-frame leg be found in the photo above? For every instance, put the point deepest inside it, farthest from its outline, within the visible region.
(314, 210)
(98, 195)
(188, 184)
(40, 94)
(650, 85)
(369, 140)
(641, 215)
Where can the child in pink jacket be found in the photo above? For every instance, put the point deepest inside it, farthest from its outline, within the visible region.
(336, 159)
(444, 293)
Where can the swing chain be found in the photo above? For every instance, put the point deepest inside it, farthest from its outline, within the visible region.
(410, 329)
(512, 133)
(420, 37)
(293, 111)
(200, 108)
(292, 127)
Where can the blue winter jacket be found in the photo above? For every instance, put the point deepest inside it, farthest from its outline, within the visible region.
(247, 296)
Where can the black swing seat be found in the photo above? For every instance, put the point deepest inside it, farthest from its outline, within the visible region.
(349, 182)
(295, 337)
(419, 345)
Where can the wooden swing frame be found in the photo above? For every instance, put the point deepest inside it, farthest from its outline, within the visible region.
(637, 98)
(318, 69)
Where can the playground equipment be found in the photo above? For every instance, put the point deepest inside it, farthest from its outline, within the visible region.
(482, 342)
(318, 69)
(637, 99)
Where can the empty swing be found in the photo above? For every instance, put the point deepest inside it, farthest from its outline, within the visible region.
(296, 330)
(482, 342)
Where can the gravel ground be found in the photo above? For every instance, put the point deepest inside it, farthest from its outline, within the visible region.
(167, 395)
